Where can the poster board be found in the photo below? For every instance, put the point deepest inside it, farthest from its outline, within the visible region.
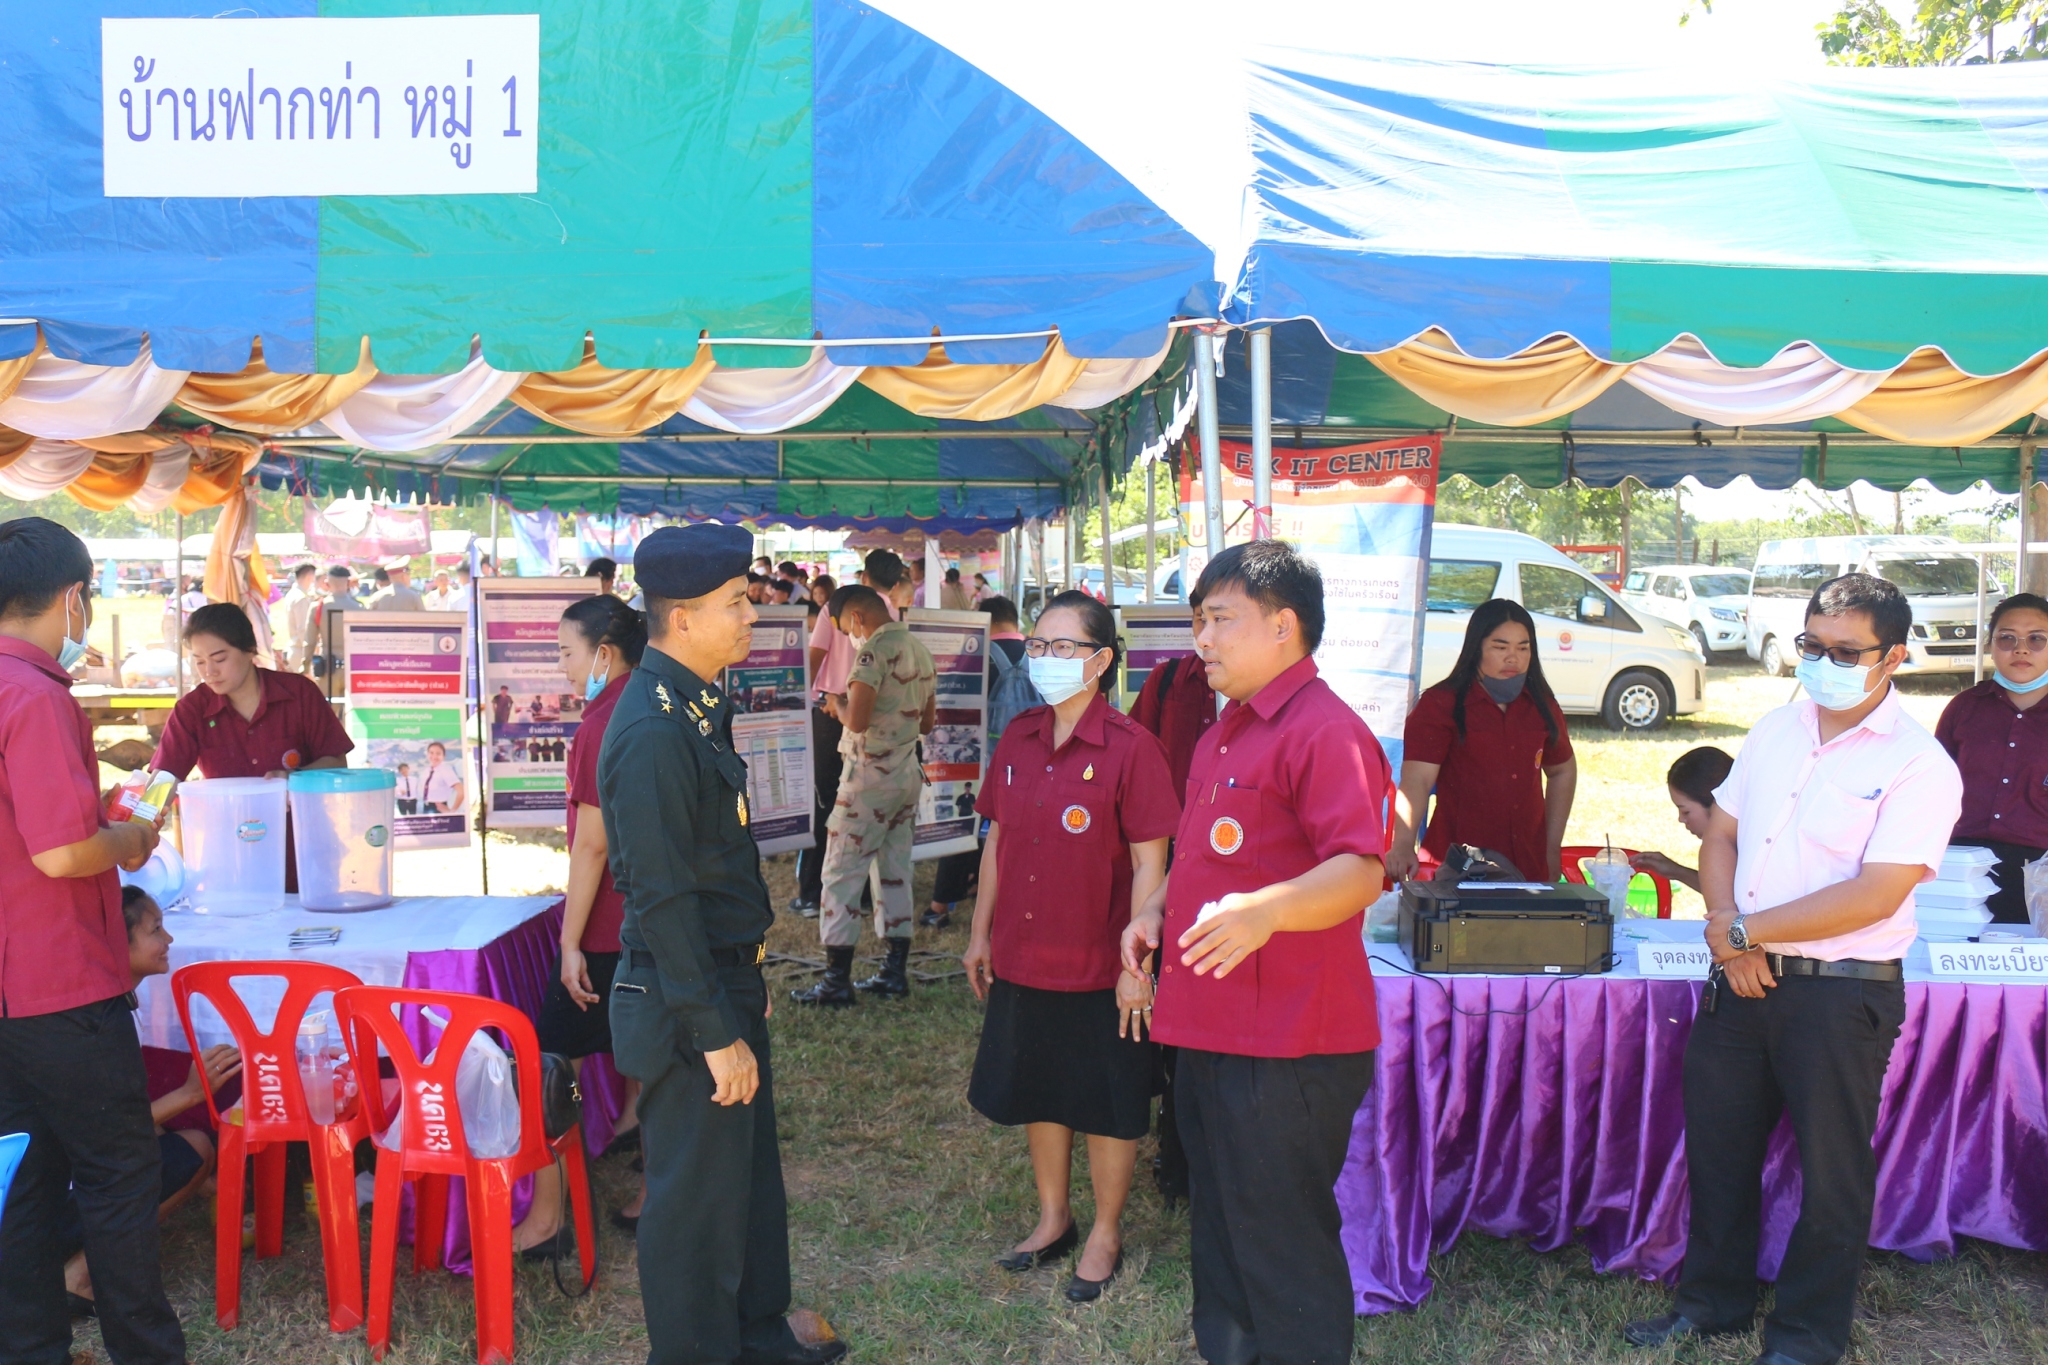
(770, 692)
(956, 751)
(404, 675)
(1151, 636)
(530, 712)
(1363, 513)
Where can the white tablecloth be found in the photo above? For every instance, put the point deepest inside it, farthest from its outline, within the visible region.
(374, 944)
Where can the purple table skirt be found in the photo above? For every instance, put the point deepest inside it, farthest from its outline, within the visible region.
(1561, 1117)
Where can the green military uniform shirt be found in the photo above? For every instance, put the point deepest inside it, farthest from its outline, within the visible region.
(674, 798)
(898, 666)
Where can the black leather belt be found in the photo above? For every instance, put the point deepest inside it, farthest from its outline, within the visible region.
(751, 955)
(1852, 968)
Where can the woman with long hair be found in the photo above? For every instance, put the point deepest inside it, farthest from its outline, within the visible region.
(1490, 740)
(1080, 806)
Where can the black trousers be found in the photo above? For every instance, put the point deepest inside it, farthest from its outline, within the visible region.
(1818, 1047)
(1265, 1140)
(74, 1082)
(810, 863)
(714, 1232)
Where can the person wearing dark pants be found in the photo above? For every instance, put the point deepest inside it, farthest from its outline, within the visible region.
(1263, 981)
(71, 1072)
(1837, 806)
(688, 1010)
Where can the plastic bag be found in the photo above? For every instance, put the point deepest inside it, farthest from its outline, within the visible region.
(485, 1092)
(2035, 883)
(1383, 918)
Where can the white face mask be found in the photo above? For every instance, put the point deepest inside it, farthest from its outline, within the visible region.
(1059, 679)
(71, 651)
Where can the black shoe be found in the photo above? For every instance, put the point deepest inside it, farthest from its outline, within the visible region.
(1088, 1291)
(626, 1222)
(563, 1243)
(639, 1166)
(796, 1353)
(81, 1307)
(893, 981)
(628, 1141)
(804, 908)
(935, 919)
(835, 987)
(1057, 1249)
(1673, 1327)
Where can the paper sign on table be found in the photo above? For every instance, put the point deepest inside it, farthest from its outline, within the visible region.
(1674, 961)
(2026, 961)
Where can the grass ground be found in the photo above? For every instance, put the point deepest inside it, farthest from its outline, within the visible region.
(900, 1196)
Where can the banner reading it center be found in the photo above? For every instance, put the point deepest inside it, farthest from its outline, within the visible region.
(1363, 513)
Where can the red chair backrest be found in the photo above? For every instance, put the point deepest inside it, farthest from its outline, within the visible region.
(434, 1136)
(1572, 854)
(273, 1102)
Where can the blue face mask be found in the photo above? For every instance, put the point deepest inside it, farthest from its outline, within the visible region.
(594, 684)
(71, 651)
(1832, 687)
(2022, 688)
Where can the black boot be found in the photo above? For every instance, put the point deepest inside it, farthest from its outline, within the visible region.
(893, 981)
(833, 988)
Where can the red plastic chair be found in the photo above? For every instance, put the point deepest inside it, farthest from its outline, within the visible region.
(435, 1148)
(1572, 855)
(273, 1114)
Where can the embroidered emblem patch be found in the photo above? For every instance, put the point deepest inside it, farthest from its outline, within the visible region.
(1076, 819)
(1226, 836)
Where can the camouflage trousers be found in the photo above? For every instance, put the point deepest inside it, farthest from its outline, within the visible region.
(870, 826)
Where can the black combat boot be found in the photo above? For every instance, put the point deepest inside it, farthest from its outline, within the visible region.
(834, 987)
(893, 981)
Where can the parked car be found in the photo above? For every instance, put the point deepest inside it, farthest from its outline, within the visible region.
(1706, 599)
(1939, 581)
(1632, 669)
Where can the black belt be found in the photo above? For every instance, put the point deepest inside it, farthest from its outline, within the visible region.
(751, 955)
(1852, 968)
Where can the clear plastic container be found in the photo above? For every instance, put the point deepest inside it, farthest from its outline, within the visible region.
(341, 819)
(1610, 872)
(316, 1067)
(233, 832)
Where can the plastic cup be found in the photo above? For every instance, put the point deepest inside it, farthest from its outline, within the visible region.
(1608, 870)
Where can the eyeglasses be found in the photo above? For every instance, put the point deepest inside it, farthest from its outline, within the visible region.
(1060, 649)
(2012, 642)
(1841, 656)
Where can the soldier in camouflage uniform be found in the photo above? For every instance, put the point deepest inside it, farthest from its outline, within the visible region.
(891, 699)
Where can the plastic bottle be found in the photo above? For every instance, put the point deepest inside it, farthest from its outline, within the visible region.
(316, 1068)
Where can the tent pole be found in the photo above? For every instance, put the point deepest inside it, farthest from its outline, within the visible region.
(1212, 454)
(2019, 563)
(1262, 433)
(1108, 568)
(178, 601)
(1151, 537)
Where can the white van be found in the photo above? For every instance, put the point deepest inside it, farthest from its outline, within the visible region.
(1633, 670)
(1709, 600)
(1938, 580)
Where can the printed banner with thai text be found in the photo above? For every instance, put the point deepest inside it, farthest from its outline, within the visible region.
(1363, 513)
(530, 711)
(771, 729)
(406, 707)
(956, 751)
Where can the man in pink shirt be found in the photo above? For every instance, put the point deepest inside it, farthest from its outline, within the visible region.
(71, 1073)
(1837, 807)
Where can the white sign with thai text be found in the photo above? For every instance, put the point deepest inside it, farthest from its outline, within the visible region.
(1674, 961)
(243, 108)
(2023, 961)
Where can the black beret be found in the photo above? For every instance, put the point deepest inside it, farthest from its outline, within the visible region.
(682, 562)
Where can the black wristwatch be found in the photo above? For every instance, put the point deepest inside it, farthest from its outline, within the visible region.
(1738, 934)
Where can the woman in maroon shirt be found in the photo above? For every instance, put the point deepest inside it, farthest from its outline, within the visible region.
(1999, 739)
(1491, 740)
(1080, 805)
(600, 642)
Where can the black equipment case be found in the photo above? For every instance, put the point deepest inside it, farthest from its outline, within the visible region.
(1506, 928)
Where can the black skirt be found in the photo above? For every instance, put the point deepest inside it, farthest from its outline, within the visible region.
(1054, 1057)
(563, 1027)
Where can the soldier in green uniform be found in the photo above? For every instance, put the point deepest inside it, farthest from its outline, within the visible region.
(891, 699)
(688, 1007)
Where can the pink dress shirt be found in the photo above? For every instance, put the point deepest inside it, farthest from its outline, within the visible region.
(1810, 814)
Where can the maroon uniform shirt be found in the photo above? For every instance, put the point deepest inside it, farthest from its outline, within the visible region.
(292, 722)
(1282, 783)
(608, 910)
(62, 941)
(1177, 705)
(2003, 754)
(1490, 791)
(1063, 859)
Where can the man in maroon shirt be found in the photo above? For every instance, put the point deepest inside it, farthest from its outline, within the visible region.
(71, 1073)
(1263, 982)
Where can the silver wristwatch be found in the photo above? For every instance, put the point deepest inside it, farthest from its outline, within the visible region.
(1738, 934)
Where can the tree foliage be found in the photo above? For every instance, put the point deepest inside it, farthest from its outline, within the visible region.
(1943, 33)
